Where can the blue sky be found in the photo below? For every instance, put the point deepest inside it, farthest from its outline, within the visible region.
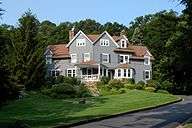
(122, 11)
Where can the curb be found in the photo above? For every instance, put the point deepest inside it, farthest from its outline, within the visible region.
(115, 115)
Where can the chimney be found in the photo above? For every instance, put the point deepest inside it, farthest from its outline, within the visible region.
(71, 33)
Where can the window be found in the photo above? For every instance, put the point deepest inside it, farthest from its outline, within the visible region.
(123, 43)
(55, 73)
(119, 72)
(147, 74)
(71, 72)
(86, 57)
(80, 42)
(124, 58)
(146, 60)
(105, 58)
(73, 58)
(104, 42)
(124, 73)
(48, 59)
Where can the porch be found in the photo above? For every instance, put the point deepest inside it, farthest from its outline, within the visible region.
(92, 72)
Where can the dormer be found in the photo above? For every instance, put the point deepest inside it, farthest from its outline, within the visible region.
(123, 43)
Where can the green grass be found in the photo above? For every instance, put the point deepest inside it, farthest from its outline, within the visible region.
(41, 111)
(188, 124)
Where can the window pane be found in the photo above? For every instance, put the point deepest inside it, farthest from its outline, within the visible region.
(125, 72)
(129, 73)
(57, 73)
(105, 58)
(119, 72)
(121, 59)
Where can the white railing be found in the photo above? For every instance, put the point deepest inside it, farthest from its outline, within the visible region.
(90, 77)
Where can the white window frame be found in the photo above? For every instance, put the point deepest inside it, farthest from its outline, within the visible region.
(55, 74)
(104, 42)
(148, 60)
(73, 60)
(80, 42)
(49, 59)
(123, 41)
(122, 73)
(73, 72)
(85, 59)
(105, 54)
(149, 74)
(124, 61)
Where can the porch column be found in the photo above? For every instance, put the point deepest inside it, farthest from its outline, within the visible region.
(102, 71)
(106, 72)
(99, 67)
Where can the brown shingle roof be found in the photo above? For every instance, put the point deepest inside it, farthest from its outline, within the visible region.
(59, 51)
(124, 66)
(93, 37)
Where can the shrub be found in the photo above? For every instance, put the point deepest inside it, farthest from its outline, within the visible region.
(116, 84)
(153, 83)
(162, 91)
(105, 80)
(139, 86)
(83, 92)
(128, 81)
(141, 82)
(130, 86)
(122, 90)
(166, 85)
(150, 89)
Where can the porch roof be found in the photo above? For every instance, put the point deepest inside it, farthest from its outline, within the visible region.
(89, 64)
(123, 66)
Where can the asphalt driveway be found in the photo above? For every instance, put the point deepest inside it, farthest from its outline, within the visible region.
(164, 117)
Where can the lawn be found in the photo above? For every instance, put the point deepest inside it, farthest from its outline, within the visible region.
(38, 110)
(188, 124)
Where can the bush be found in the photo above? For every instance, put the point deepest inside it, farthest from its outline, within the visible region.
(166, 85)
(67, 87)
(122, 90)
(150, 89)
(139, 86)
(128, 81)
(130, 86)
(105, 80)
(162, 91)
(116, 84)
(141, 83)
(153, 83)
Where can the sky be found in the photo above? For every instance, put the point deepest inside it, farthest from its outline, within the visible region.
(57, 11)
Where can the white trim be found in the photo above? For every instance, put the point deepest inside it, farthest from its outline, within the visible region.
(72, 61)
(148, 53)
(125, 38)
(72, 74)
(48, 50)
(105, 32)
(104, 42)
(124, 62)
(149, 74)
(86, 58)
(105, 54)
(80, 44)
(125, 43)
(122, 73)
(80, 32)
(148, 59)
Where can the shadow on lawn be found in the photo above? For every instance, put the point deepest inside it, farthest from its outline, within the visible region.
(63, 112)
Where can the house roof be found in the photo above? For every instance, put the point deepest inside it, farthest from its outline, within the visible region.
(93, 37)
(124, 66)
(59, 51)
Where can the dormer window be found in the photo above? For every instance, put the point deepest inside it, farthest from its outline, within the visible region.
(48, 59)
(80, 42)
(104, 42)
(123, 43)
(146, 60)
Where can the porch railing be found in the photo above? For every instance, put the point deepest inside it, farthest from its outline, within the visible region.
(90, 77)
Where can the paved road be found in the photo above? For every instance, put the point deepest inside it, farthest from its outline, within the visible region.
(164, 117)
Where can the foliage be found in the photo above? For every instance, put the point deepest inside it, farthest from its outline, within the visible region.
(153, 83)
(150, 89)
(162, 91)
(116, 84)
(167, 85)
(130, 86)
(66, 87)
(105, 80)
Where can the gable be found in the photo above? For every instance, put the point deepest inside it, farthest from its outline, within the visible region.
(79, 35)
(105, 35)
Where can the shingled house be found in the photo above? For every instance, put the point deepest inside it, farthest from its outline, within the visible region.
(89, 57)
